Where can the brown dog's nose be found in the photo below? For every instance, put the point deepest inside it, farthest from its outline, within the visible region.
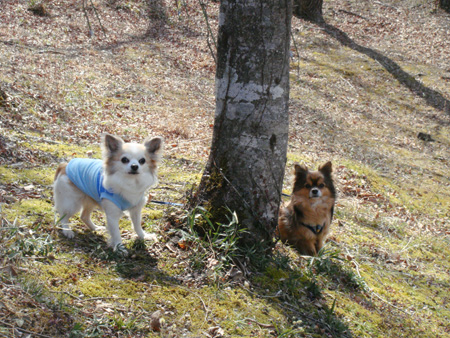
(315, 191)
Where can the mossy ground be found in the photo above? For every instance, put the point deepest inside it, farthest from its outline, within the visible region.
(362, 88)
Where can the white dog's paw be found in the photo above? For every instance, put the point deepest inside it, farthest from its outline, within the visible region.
(68, 233)
(121, 250)
(99, 228)
(150, 237)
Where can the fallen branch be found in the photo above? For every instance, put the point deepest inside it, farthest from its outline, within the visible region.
(266, 326)
(371, 292)
(354, 14)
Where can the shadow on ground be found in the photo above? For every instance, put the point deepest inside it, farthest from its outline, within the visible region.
(432, 97)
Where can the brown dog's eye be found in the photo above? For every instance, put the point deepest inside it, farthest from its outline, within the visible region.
(142, 161)
(125, 160)
(321, 185)
(308, 186)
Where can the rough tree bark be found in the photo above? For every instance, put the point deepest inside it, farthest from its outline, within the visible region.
(309, 10)
(246, 166)
(445, 4)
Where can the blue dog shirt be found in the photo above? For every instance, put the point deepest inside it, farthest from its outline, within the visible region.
(87, 175)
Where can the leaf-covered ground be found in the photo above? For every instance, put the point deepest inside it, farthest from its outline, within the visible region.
(370, 90)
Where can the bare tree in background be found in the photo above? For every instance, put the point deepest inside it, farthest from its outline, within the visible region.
(445, 4)
(157, 13)
(246, 166)
(309, 10)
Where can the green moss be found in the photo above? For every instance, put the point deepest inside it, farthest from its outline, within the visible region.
(7, 175)
(31, 212)
(151, 214)
(22, 177)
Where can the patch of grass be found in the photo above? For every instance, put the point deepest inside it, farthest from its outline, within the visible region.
(215, 245)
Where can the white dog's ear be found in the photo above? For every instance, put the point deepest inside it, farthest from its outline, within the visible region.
(154, 147)
(112, 144)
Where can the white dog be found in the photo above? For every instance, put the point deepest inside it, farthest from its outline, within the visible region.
(118, 183)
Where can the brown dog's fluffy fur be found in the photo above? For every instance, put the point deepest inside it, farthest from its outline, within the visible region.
(305, 222)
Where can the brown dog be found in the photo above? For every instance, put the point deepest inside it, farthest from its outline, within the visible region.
(305, 222)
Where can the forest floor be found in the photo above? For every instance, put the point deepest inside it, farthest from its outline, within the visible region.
(370, 91)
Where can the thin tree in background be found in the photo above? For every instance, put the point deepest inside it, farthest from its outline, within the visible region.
(445, 5)
(309, 10)
(245, 170)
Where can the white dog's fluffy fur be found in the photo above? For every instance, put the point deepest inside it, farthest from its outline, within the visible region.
(129, 169)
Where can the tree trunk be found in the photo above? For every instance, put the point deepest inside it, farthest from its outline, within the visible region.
(157, 14)
(445, 5)
(309, 10)
(246, 166)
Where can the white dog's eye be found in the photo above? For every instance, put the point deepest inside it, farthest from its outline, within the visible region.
(142, 161)
(125, 160)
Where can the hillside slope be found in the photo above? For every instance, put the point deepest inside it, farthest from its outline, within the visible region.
(370, 91)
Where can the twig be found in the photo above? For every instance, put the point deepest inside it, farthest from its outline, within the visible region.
(354, 14)
(343, 78)
(98, 19)
(406, 245)
(105, 298)
(266, 326)
(204, 305)
(138, 300)
(34, 49)
(231, 185)
(67, 293)
(370, 291)
(87, 19)
(259, 295)
(40, 139)
(210, 34)
(198, 296)
(53, 51)
(298, 54)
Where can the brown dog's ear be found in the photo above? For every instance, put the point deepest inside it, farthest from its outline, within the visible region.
(300, 169)
(326, 169)
(111, 144)
(301, 172)
(154, 147)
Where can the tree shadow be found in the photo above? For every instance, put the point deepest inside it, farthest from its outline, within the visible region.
(296, 287)
(432, 97)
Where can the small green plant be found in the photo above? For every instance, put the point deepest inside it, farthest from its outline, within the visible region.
(329, 262)
(121, 324)
(97, 328)
(216, 242)
(336, 326)
(20, 241)
(33, 246)
(77, 331)
(330, 312)
(291, 333)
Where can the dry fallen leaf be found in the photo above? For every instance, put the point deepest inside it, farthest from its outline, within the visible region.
(156, 321)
